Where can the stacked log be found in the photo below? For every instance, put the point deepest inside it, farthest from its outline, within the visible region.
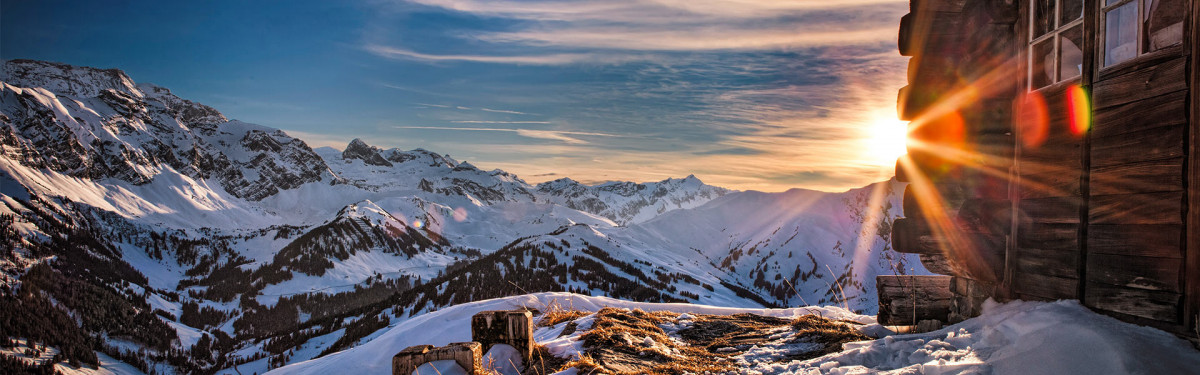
(961, 86)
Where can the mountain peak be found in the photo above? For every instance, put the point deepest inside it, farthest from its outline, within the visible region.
(357, 149)
(77, 81)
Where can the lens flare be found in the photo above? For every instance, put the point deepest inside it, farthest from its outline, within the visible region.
(418, 224)
(1033, 120)
(1079, 110)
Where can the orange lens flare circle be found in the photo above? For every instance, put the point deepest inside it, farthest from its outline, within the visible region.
(934, 142)
(1079, 110)
(1033, 119)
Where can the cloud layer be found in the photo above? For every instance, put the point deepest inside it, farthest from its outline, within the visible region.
(764, 95)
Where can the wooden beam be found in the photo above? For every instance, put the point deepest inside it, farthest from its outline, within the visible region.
(907, 300)
(1191, 271)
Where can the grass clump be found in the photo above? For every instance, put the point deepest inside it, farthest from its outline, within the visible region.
(831, 334)
(554, 312)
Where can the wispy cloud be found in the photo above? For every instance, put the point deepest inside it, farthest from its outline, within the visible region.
(561, 32)
(502, 111)
(558, 135)
(498, 122)
(620, 38)
(544, 59)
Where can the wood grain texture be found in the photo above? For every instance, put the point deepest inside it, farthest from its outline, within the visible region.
(1191, 308)
(1154, 112)
(1147, 208)
(1153, 240)
(1152, 79)
(1048, 262)
(1141, 177)
(1060, 210)
(1150, 304)
(1045, 287)
(906, 300)
(1047, 182)
(1146, 145)
(1135, 272)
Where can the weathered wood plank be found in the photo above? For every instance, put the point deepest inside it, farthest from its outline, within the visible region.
(1047, 287)
(1135, 272)
(1151, 304)
(1155, 240)
(930, 33)
(1147, 208)
(1145, 82)
(1191, 308)
(1151, 144)
(906, 300)
(1057, 237)
(1051, 182)
(1059, 210)
(982, 261)
(1050, 263)
(952, 198)
(1142, 177)
(1052, 157)
(1155, 112)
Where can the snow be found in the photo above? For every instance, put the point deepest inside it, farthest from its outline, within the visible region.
(504, 359)
(1018, 337)
(108, 365)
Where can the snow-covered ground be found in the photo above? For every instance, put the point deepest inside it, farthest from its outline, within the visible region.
(108, 365)
(1013, 338)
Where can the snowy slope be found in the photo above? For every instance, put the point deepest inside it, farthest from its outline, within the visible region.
(628, 202)
(797, 247)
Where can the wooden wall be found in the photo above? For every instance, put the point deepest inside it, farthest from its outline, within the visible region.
(1109, 216)
(1102, 214)
(1136, 203)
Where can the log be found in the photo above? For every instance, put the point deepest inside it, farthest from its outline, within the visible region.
(982, 260)
(907, 300)
(952, 197)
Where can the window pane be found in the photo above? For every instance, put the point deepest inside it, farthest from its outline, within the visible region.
(1043, 15)
(1041, 68)
(1120, 34)
(1164, 23)
(1071, 10)
(1070, 53)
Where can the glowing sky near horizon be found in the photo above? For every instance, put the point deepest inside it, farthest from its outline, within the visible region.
(762, 95)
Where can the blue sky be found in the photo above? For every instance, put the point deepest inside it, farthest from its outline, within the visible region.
(764, 95)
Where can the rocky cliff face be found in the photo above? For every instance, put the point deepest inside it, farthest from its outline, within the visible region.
(97, 123)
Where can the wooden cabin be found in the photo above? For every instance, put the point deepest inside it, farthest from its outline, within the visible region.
(1054, 153)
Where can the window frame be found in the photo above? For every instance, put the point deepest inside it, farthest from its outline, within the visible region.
(1056, 46)
(1140, 54)
(1102, 35)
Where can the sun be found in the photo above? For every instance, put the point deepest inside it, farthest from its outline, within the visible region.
(885, 141)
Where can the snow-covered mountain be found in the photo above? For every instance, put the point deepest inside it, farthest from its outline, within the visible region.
(216, 243)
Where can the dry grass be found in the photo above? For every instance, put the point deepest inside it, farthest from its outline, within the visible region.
(586, 365)
(555, 312)
(615, 343)
(829, 333)
(544, 363)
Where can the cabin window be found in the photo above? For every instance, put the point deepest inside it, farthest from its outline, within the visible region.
(1055, 42)
(1136, 27)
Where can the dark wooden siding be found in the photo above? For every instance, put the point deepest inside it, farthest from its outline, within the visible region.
(1135, 217)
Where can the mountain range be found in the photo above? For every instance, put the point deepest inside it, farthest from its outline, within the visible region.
(152, 230)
